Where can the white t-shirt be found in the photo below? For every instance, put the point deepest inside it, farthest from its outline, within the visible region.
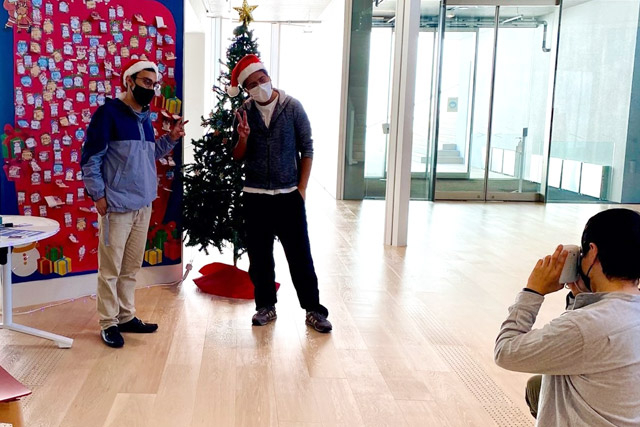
(266, 111)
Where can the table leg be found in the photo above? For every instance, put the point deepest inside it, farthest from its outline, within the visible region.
(63, 342)
(7, 297)
(7, 308)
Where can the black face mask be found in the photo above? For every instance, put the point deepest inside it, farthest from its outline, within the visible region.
(143, 96)
(585, 276)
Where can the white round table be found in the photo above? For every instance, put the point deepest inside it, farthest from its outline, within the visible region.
(24, 229)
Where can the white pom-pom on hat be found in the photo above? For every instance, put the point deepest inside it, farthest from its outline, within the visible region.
(233, 91)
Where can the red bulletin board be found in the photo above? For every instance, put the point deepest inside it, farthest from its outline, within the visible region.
(67, 59)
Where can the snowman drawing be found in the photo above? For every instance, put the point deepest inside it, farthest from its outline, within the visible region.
(24, 259)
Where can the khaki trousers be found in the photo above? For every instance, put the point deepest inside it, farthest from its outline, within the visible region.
(123, 238)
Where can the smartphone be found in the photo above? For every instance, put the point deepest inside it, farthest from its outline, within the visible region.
(570, 271)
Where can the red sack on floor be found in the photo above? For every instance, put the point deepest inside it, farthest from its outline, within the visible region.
(226, 281)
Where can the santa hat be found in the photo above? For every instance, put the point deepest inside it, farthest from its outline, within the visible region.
(243, 69)
(136, 66)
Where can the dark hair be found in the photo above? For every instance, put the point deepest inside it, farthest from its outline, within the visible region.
(616, 233)
(262, 69)
(135, 75)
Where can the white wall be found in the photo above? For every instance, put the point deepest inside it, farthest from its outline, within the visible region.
(197, 65)
(64, 288)
(194, 99)
(311, 71)
(327, 120)
(593, 90)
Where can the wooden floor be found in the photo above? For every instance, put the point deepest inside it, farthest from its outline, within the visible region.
(412, 342)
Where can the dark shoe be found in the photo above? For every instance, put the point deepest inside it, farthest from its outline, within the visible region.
(137, 326)
(318, 321)
(111, 337)
(264, 316)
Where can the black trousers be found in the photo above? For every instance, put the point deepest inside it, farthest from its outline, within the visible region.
(282, 216)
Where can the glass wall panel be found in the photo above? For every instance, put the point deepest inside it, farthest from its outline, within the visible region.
(524, 72)
(596, 115)
(421, 151)
(359, 128)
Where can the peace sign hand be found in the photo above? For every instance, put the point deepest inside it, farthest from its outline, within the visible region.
(177, 131)
(243, 125)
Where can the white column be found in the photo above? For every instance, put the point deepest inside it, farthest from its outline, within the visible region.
(216, 40)
(401, 132)
(274, 71)
(344, 90)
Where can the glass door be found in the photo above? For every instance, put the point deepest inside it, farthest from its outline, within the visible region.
(495, 98)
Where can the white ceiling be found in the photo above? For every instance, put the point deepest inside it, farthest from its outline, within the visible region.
(310, 10)
(271, 10)
(387, 8)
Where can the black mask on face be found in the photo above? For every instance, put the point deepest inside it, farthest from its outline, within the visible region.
(143, 96)
(585, 276)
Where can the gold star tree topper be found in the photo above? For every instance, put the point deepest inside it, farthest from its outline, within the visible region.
(245, 12)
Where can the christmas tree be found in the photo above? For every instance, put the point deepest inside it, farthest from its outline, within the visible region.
(213, 183)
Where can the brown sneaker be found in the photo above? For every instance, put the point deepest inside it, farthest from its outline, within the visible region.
(318, 321)
(264, 316)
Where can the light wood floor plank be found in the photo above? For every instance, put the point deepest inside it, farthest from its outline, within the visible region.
(176, 396)
(336, 401)
(215, 397)
(293, 388)
(131, 410)
(255, 403)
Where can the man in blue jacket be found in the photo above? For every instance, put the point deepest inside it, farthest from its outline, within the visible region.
(273, 137)
(119, 169)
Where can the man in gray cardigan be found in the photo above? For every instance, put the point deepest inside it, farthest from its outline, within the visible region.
(589, 357)
(272, 135)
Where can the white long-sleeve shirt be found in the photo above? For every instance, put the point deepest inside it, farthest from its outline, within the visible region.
(589, 358)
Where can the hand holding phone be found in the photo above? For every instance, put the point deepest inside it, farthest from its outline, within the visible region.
(545, 277)
(570, 270)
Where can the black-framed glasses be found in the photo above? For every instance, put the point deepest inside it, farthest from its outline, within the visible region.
(148, 83)
(262, 80)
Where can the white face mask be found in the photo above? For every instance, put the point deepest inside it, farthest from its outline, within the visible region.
(262, 93)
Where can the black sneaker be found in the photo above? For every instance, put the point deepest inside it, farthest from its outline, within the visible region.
(318, 321)
(264, 315)
(137, 326)
(111, 337)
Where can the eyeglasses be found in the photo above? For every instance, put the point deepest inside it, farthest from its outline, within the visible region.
(148, 83)
(262, 80)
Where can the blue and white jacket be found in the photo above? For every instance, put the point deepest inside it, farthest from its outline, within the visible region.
(119, 157)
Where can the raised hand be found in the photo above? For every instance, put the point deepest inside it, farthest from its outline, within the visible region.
(177, 131)
(243, 125)
(545, 276)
